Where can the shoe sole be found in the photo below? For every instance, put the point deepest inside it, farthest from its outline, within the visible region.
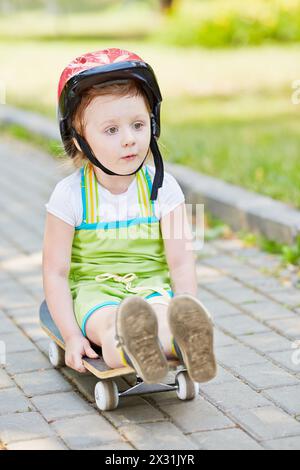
(192, 328)
(136, 325)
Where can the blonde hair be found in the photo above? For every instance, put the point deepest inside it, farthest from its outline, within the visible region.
(127, 88)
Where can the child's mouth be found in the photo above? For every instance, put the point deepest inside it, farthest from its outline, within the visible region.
(129, 157)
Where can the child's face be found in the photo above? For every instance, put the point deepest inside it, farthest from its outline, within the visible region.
(117, 127)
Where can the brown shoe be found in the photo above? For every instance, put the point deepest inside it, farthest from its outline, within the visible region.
(137, 334)
(192, 328)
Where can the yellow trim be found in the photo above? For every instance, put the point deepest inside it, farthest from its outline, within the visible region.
(124, 362)
(173, 348)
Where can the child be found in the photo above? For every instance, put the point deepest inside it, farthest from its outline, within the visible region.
(114, 274)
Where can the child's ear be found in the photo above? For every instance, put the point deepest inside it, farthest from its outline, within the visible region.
(76, 144)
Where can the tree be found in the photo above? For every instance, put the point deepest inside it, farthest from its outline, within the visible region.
(167, 6)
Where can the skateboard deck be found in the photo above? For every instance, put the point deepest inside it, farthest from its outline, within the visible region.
(96, 366)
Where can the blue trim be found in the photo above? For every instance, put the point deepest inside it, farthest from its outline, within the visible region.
(150, 188)
(92, 310)
(157, 294)
(83, 195)
(118, 223)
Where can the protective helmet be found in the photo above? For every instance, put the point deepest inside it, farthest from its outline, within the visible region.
(104, 67)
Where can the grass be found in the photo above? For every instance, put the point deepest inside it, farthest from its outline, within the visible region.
(255, 145)
(289, 254)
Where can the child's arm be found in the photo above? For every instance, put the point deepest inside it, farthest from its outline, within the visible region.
(57, 247)
(181, 259)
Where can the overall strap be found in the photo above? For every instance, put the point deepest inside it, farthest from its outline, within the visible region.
(144, 185)
(89, 192)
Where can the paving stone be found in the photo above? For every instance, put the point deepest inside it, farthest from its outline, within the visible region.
(15, 296)
(43, 345)
(17, 342)
(286, 397)
(6, 325)
(266, 285)
(242, 296)
(86, 431)
(241, 325)
(222, 377)
(263, 260)
(225, 439)
(232, 245)
(5, 380)
(157, 436)
(84, 383)
(219, 308)
(15, 313)
(23, 426)
(221, 339)
(243, 273)
(134, 410)
(42, 382)
(222, 261)
(288, 297)
(287, 360)
(222, 284)
(61, 405)
(230, 395)
(13, 401)
(288, 443)
(267, 310)
(232, 356)
(267, 342)
(262, 376)
(267, 423)
(31, 327)
(205, 273)
(289, 327)
(204, 295)
(48, 443)
(26, 361)
(196, 415)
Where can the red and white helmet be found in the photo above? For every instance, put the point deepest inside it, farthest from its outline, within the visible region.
(108, 65)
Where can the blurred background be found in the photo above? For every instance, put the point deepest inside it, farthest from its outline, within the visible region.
(226, 69)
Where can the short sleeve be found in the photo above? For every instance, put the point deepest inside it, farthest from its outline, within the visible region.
(61, 204)
(170, 195)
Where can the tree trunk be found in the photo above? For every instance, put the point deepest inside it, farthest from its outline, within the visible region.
(167, 5)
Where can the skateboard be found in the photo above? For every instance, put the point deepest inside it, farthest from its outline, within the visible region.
(107, 394)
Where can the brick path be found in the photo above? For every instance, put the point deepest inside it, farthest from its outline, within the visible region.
(252, 404)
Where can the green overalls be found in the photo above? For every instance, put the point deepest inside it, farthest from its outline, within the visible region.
(111, 260)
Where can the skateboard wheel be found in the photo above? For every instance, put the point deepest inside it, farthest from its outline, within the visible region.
(56, 355)
(187, 389)
(106, 395)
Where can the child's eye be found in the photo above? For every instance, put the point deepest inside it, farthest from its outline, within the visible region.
(113, 129)
(139, 125)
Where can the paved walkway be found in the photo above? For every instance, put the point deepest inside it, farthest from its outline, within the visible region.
(252, 404)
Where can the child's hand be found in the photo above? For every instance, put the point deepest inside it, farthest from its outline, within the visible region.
(76, 347)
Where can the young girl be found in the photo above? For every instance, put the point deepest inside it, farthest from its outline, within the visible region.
(115, 275)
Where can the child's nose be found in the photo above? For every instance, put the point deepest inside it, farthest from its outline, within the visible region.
(128, 138)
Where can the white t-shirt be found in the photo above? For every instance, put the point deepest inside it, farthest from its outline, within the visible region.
(66, 201)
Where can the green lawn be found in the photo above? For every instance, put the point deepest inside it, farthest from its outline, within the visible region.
(227, 113)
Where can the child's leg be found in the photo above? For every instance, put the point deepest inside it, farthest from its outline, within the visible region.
(101, 330)
(164, 332)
